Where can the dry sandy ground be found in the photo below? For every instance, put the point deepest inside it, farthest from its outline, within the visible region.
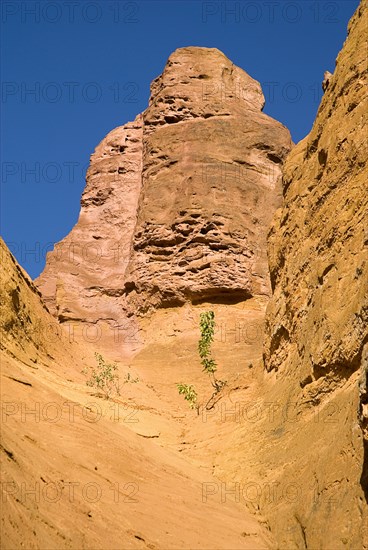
(79, 471)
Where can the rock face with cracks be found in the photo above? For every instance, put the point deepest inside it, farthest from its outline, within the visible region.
(210, 184)
(317, 319)
(83, 281)
(177, 204)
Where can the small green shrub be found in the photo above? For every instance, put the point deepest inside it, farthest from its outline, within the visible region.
(104, 377)
(189, 393)
(207, 328)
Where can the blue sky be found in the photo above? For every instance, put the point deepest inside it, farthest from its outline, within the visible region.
(74, 70)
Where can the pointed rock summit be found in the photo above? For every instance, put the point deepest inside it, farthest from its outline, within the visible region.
(177, 203)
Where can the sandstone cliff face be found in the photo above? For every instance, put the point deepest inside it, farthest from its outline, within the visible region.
(317, 319)
(83, 280)
(211, 163)
(318, 242)
(177, 204)
(28, 331)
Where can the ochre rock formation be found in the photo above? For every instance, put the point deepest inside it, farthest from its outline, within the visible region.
(316, 334)
(83, 281)
(211, 164)
(174, 221)
(177, 204)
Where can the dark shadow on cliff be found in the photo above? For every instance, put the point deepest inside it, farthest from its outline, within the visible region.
(364, 476)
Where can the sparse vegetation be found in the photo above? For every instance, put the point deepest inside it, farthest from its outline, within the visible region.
(129, 378)
(104, 377)
(207, 328)
(189, 393)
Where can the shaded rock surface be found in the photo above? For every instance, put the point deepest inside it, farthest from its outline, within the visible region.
(28, 331)
(317, 319)
(83, 280)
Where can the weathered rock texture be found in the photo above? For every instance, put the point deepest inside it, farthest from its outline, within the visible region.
(83, 281)
(317, 320)
(177, 204)
(211, 161)
(27, 330)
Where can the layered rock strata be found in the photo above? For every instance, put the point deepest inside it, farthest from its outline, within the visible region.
(316, 341)
(177, 204)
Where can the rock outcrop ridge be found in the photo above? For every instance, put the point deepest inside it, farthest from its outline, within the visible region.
(177, 204)
(84, 276)
(317, 319)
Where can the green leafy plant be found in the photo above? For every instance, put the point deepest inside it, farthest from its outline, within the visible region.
(207, 328)
(189, 393)
(104, 377)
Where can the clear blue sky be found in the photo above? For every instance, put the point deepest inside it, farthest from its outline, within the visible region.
(90, 64)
